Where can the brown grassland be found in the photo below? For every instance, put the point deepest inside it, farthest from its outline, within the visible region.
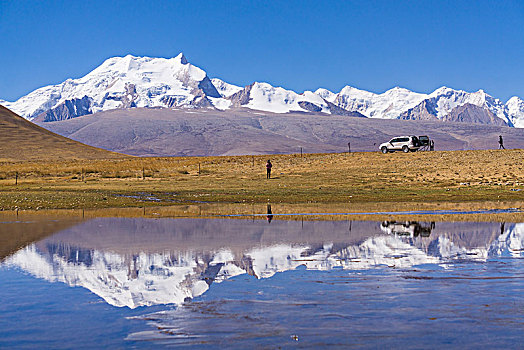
(23, 140)
(413, 180)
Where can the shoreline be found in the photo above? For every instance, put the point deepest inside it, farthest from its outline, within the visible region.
(466, 211)
(420, 177)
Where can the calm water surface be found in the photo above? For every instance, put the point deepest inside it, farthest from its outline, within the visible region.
(275, 282)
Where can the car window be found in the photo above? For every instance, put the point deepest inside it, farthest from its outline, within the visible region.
(403, 139)
(394, 140)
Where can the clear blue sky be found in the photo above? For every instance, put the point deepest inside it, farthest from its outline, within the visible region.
(300, 45)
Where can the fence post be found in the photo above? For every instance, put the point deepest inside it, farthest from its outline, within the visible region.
(300, 152)
(16, 179)
(349, 147)
(198, 169)
(82, 174)
(143, 173)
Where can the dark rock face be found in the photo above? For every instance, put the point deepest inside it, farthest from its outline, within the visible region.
(79, 107)
(349, 104)
(201, 101)
(336, 110)
(308, 106)
(242, 97)
(469, 113)
(425, 110)
(67, 110)
(130, 96)
(172, 100)
(208, 88)
(204, 85)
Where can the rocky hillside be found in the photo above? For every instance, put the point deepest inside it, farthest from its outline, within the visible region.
(200, 132)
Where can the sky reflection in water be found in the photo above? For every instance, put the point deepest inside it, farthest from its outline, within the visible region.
(236, 282)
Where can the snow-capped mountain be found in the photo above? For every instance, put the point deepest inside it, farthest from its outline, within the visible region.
(121, 82)
(127, 82)
(264, 97)
(443, 104)
(449, 105)
(387, 105)
(515, 107)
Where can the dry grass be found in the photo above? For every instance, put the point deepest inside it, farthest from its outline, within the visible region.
(456, 176)
(23, 140)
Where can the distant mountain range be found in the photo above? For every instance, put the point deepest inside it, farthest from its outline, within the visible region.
(128, 82)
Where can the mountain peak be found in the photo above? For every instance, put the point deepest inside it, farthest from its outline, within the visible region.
(515, 99)
(128, 62)
(225, 89)
(398, 90)
(395, 88)
(182, 58)
(326, 94)
(350, 90)
(481, 93)
(442, 89)
(120, 82)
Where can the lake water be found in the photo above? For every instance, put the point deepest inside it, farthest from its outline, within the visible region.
(260, 282)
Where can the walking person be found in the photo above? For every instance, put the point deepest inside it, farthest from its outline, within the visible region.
(268, 168)
(501, 142)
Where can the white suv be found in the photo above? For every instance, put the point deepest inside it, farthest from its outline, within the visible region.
(401, 143)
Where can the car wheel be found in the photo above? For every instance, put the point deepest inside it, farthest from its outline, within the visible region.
(405, 149)
(384, 150)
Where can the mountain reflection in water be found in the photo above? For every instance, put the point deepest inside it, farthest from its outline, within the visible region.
(140, 262)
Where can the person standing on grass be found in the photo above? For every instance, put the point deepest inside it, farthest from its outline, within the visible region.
(268, 168)
(501, 142)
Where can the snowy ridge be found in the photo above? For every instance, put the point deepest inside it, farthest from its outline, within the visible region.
(140, 279)
(127, 82)
(264, 97)
(388, 105)
(225, 89)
